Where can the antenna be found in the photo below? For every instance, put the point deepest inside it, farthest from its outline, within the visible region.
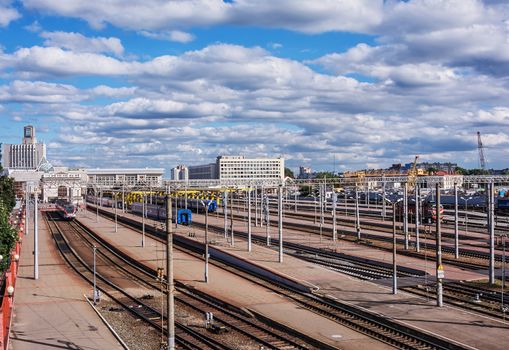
(480, 148)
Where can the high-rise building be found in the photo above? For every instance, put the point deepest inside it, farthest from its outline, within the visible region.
(25, 156)
(180, 172)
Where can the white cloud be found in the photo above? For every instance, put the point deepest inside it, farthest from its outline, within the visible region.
(39, 92)
(172, 35)
(301, 15)
(34, 27)
(7, 13)
(77, 42)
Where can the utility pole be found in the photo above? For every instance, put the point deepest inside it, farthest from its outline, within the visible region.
(491, 228)
(256, 206)
(116, 205)
(231, 221)
(456, 235)
(36, 236)
(170, 307)
(95, 272)
(334, 203)
(225, 210)
(143, 219)
(123, 199)
(97, 201)
(417, 238)
(207, 243)
(405, 214)
(394, 252)
(322, 194)
(280, 219)
(267, 219)
(357, 214)
(384, 209)
(440, 269)
(249, 220)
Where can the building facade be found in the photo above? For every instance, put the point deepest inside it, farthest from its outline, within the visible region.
(203, 172)
(180, 172)
(128, 177)
(25, 156)
(239, 167)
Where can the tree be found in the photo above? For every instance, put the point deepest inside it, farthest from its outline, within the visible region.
(289, 173)
(7, 195)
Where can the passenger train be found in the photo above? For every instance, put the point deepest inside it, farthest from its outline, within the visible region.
(66, 209)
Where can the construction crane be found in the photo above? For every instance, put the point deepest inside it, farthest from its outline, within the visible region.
(480, 148)
(412, 174)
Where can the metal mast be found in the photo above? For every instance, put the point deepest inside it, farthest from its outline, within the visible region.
(480, 148)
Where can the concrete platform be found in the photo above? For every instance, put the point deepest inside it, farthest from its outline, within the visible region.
(469, 329)
(51, 312)
(229, 287)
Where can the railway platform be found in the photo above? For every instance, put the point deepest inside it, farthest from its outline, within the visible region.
(51, 312)
(229, 287)
(468, 329)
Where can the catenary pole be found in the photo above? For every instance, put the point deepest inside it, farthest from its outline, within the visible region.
(394, 252)
(491, 228)
(170, 307)
(417, 218)
(36, 236)
(280, 225)
(249, 220)
(456, 235)
(438, 244)
(405, 214)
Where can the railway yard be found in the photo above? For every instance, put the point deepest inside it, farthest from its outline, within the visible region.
(330, 283)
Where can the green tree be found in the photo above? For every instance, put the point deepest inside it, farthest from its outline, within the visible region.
(8, 235)
(289, 173)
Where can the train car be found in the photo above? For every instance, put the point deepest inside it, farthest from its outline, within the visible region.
(66, 209)
(158, 212)
(427, 212)
(502, 205)
(196, 203)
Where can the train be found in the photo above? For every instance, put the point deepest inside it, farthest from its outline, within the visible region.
(428, 212)
(158, 212)
(66, 209)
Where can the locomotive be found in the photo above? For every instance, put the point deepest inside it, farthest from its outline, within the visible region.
(66, 209)
(427, 212)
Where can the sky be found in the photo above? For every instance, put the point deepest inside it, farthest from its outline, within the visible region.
(331, 84)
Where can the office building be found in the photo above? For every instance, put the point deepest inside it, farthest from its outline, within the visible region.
(28, 155)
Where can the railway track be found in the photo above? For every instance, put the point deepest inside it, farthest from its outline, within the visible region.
(268, 336)
(373, 325)
(470, 259)
(481, 300)
(186, 337)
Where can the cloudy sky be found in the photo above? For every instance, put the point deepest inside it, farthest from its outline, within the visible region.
(344, 83)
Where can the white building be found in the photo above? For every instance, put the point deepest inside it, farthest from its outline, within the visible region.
(239, 167)
(64, 183)
(129, 177)
(26, 156)
(180, 172)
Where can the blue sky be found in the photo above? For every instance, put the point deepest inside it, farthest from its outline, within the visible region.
(160, 83)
